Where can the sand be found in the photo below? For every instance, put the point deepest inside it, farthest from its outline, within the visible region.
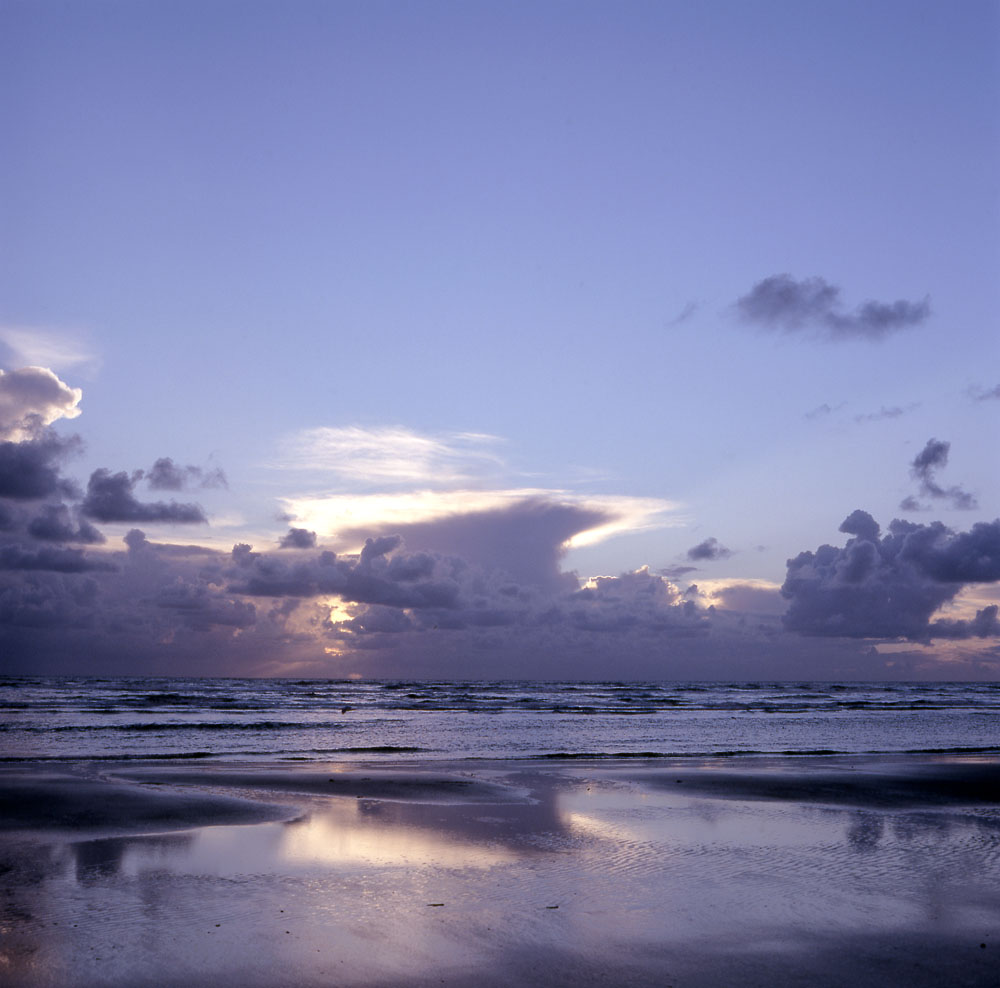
(806, 870)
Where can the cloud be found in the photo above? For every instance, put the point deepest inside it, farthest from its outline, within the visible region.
(785, 304)
(492, 569)
(41, 346)
(983, 625)
(524, 539)
(934, 457)
(985, 394)
(884, 413)
(55, 524)
(31, 399)
(54, 558)
(821, 411)
(298, 538)
(200, 607)
(348, 518)
(676, 572)
(890, 586)
(369, 578)
(393, 455)
(110, 498)
(709, 549)
(28, 468)
(686, 313)
(43, 602)
(631, 600)
(756, 597)
(165, 475)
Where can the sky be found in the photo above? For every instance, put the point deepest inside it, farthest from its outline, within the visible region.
(565, 340)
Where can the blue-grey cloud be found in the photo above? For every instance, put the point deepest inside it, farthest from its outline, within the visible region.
(686, 313)
(711, 548)
(165, 475)
(525, 540)
(56, 559)
(924, 468)
(890, 586)
(985, 394)
(984, 625)
(201, 607)
(892, 412)
(29, 469)
(110, 498)
(791, 305)
(298, 538)
(33, 605)
(676, 572)
(55, 523)
(822, 411)
(369, 578)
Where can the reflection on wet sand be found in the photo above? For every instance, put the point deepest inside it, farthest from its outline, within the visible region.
(550, 875)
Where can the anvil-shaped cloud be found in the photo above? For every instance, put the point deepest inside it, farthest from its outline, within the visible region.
(453, 503)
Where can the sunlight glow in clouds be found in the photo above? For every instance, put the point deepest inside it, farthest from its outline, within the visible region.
(330, 515)
(447, 469)
(32, 398)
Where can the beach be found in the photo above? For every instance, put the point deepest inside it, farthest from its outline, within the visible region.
(758, 870)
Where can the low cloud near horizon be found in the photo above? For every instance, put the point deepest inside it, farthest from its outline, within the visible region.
(477, 591)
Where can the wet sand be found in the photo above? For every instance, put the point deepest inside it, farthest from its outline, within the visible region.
(808, 870)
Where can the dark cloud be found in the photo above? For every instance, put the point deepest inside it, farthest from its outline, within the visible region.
(55, 523)
(862, 524)
(983, 625)
(45, 602)
(525, 540)
(165, 475)
(201, 607)
(381, 620)
(29, 471)
(633, 600)
(814, 305)
(924, 468)
(369, 578)
(53, 558)
(889, 587)
(709, 549)
(298, 538)
(676, 572)
(110, 498)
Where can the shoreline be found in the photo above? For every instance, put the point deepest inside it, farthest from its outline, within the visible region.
(778, 870)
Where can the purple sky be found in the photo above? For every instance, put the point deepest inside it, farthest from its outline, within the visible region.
(568, 339)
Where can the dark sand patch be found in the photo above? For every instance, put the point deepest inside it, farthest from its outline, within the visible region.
(877, 782)
(76, 804)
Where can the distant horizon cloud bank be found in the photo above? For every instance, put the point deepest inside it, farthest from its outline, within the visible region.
(434, 575)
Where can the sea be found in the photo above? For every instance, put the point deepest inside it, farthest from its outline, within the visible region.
(116, 719)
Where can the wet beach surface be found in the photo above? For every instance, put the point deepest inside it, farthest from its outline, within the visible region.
(807, 870)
